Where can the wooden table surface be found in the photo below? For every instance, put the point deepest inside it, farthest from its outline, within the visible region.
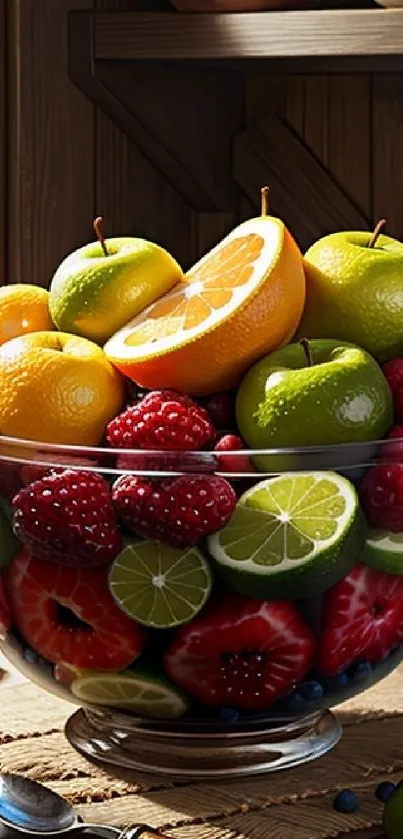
(14, 680)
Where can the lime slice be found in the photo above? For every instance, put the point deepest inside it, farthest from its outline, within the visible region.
(384, 551)
(291, 536)
(140, 692)
(160, 586)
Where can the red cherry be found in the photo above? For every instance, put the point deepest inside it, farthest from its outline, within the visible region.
(236, 462)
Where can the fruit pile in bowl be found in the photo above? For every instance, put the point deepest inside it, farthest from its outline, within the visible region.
(201, 479)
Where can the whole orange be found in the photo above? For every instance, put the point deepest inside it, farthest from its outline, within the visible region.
(23, 309)
(57, 388)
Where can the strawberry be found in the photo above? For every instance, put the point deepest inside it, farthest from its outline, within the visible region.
(5, 621)
(179, 511)
(162, 420)
(241, 652)
(363, 619)
(68, 517)
(68, 615)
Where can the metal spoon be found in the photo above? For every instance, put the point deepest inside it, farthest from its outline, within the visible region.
(30, 807)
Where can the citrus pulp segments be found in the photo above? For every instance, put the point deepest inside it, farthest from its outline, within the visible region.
(241, 300)
(384, 551)
(141, 693)
(160, 586)
(291, 536)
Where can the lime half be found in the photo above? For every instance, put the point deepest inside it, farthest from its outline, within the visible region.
(140, 692)
(160, 586)
(291, 536)
(384, 551)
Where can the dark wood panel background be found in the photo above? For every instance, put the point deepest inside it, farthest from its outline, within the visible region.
(330, 145)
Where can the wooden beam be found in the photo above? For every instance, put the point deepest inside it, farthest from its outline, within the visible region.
(303, 191)
(259, 35)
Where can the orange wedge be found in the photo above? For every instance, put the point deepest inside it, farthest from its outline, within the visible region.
(241, 301)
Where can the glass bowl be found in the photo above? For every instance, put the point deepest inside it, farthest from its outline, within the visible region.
(244, 685)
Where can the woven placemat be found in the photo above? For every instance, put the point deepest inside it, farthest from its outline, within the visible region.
(295, 804)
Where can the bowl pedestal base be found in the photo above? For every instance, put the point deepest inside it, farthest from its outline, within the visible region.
(201, 751)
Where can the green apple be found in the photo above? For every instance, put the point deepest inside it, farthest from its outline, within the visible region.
(315, 393)
(354, 292)
(100, 287)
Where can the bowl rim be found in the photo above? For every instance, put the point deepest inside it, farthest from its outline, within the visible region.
(336, 457)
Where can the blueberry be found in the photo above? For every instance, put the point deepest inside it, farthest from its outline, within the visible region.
(342, 679)
(362, 670)
(30, 656)
(346, 801)
(229, 714)
(33, 658)
(385, 790)
(294, 703)
(312, 691)
(339, 681)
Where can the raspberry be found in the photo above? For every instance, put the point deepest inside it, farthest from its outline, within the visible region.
(236, 462)
(67, 517)
(382, 496)
(393, 372)
(179, 511)
(163, 420)
(221, 409)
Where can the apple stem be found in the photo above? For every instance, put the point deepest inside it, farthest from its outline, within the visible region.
(307, 350)
(265, 195)
(375, 236)
(98, 226)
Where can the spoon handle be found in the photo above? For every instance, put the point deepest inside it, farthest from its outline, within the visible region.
(140, 830)
(134, 831)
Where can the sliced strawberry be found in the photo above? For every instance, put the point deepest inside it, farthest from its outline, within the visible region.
(363, 619)
(5, 620)
(68, 614)
(241, 652)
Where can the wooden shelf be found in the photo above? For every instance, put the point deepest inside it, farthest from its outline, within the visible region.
(357, 34)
